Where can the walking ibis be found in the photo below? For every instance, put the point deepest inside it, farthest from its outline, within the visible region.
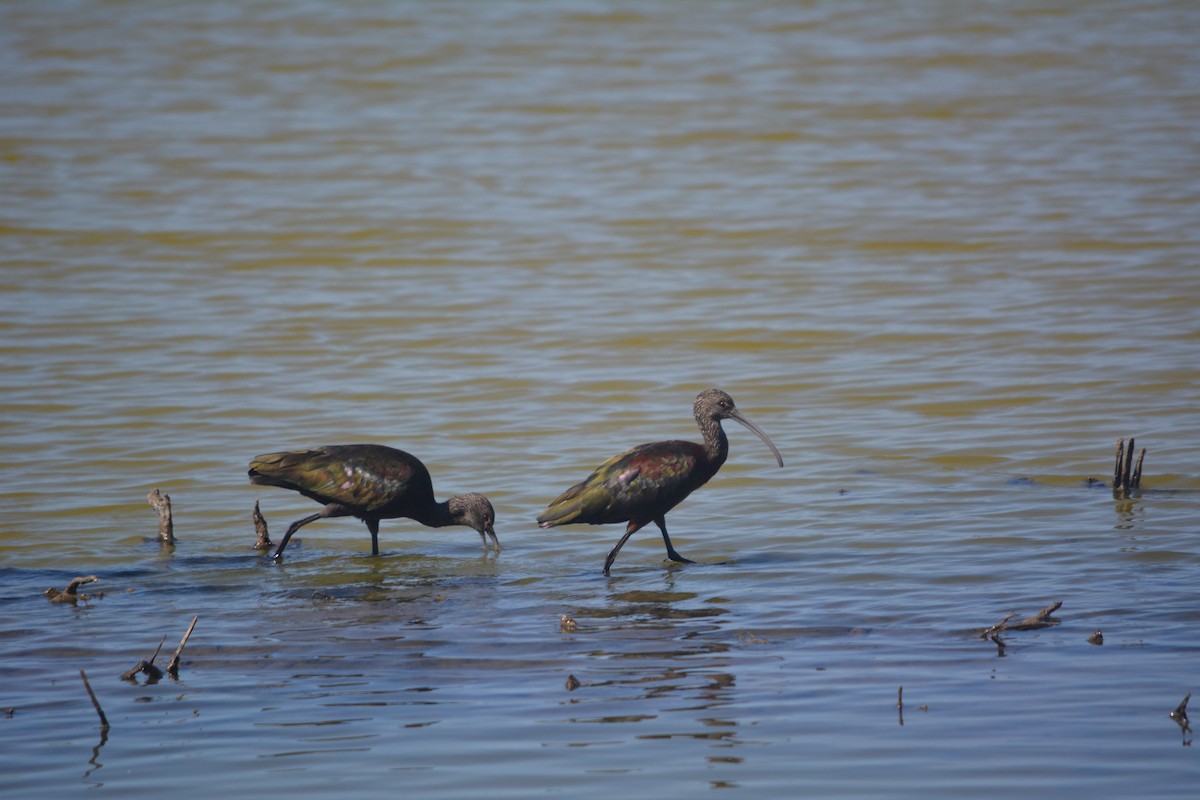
(371, 482)
(641, 485)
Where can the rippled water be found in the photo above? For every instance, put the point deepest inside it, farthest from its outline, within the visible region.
(944, 254)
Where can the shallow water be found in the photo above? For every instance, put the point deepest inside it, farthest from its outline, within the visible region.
(944, 256)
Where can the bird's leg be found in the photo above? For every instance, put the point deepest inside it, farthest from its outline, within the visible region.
(373, 527)
(331, 510)
(295, 526)
(661, 522)
(630, 529)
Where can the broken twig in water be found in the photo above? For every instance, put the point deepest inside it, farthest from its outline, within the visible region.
(173, 664)
(71, 593)
(95, 702)
(166, 526)
(1041, 619)
(260, 529)
(153, 673)
(1127, 474)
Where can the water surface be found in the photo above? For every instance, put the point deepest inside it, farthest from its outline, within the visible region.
(943, 255)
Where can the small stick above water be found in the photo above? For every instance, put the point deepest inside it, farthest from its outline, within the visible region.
(166, 526)
(173, 664)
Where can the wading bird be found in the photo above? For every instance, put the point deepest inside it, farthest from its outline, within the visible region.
(371, 482)
(641, 485)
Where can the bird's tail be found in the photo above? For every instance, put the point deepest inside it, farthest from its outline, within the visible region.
(276, 469)
(564, 509)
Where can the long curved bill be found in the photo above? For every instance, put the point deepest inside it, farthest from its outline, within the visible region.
(742, 418)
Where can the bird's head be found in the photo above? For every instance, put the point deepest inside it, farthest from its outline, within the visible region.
(474, 511)
(716, 405)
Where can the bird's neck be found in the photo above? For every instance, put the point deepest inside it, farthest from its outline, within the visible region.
(435, 515)
(716, 446)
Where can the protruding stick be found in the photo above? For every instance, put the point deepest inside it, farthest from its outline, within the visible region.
(173, 664)
(95, 702)
(260, 529)
(162, 504)
(1136, 481)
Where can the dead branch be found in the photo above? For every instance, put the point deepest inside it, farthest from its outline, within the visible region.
(173, 664)
(71, 593)
(166, 526)
(260, 529)
(95, 702)
(153, 673)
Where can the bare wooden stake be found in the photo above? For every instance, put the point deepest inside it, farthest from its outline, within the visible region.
(1128, 465)
(1119, 465)
(166, 526)
(1127, 473)
(260, 529)
(173, 664)
(96, 703)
